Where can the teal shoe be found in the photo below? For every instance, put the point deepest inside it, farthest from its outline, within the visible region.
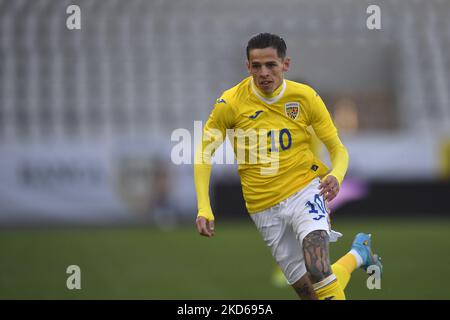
(362, 245)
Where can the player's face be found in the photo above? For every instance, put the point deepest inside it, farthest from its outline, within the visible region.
(267, 68)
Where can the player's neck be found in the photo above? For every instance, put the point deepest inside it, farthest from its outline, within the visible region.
(269, 95)
(273, 97)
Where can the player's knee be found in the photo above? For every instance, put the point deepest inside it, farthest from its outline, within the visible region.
(315, 251)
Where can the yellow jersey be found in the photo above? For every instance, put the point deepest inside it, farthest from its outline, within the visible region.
(279, 123)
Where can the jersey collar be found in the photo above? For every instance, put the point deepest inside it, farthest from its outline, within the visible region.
(272, 99)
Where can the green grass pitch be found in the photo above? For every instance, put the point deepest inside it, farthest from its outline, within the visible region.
(146, 263)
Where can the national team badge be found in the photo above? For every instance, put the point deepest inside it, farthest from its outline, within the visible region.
(292, 109)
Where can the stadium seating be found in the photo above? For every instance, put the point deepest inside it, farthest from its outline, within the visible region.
(140, 67)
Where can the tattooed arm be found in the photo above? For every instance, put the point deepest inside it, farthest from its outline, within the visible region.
(315, 251)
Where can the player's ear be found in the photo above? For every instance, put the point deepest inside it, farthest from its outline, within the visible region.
(286, 64)
(247, 64)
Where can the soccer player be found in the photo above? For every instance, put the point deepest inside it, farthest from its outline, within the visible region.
(285, 187)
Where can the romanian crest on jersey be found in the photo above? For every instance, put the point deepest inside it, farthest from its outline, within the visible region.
(292, 109)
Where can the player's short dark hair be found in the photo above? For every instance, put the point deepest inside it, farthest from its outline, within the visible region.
(267, 40)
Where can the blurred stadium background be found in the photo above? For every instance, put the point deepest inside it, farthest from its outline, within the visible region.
(86, 118)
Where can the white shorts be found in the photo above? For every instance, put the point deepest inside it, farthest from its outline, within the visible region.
(285, 225)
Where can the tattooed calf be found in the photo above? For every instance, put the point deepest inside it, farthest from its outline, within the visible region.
(315, 251)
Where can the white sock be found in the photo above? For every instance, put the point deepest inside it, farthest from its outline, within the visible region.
(358, 258)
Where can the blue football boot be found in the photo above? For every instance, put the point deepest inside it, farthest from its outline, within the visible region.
(362, 245)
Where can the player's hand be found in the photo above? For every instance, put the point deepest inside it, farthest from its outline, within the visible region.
(329, 188)
(205, 227)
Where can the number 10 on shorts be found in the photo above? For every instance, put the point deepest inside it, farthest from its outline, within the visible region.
(318, 203)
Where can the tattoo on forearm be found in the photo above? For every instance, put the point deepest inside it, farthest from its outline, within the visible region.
(315, 250)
